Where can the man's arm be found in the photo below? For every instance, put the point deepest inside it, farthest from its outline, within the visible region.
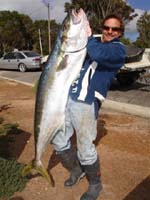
(110, 54)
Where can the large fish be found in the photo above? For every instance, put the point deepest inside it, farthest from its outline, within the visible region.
(62, 68)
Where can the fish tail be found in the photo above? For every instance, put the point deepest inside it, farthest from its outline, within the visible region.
(44, 173)
(40, 169)
(27, 169)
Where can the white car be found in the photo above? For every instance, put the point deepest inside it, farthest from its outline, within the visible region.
(21, 60)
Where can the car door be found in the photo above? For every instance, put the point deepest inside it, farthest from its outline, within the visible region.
(4, 61)
(19, 57)
(9, 61)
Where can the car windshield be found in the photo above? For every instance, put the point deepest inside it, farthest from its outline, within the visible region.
(30, 53)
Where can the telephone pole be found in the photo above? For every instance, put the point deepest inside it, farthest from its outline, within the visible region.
(41, 49)
(49, 29)
(47, 3)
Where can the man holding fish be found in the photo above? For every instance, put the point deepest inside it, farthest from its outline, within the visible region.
(87, 92)
(57, 116)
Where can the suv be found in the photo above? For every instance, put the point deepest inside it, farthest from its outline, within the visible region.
(21, 60)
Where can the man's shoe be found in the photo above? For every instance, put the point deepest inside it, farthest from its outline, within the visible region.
(93, 176)
(70, 161)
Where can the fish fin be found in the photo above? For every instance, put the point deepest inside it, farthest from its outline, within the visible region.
(40, 169)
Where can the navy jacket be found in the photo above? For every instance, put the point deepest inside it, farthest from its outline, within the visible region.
(101, 64)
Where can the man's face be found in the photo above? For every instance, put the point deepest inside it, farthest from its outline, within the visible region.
(111, 30)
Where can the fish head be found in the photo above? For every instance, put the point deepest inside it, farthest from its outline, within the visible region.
(74, 36)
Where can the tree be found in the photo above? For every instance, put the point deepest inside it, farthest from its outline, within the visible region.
(20, 32)
(15, 31)
(125, 41)
(97, 10)
(143, 27)
(42, 25)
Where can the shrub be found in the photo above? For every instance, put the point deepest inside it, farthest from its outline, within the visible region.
(11, 179)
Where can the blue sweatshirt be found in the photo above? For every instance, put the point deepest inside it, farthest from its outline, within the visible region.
(101, 65)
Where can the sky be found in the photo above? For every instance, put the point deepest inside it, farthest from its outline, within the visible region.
(36, 9)
(140, 6)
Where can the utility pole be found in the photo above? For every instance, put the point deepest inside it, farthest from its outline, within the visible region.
(41, 49)
(49, 29)
(47, 3)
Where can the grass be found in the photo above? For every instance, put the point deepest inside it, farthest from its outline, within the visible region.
(11, 179)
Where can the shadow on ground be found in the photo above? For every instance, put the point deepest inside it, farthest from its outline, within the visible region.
(18, 143)
(141, 192)
(12, 145)
(16, 198)
(115, 86)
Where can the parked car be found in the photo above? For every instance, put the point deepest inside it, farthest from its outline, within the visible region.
(44, 61)
(21, 60)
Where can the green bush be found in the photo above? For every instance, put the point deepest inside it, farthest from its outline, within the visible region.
(1, 120)
(11, 180)
(6, 129)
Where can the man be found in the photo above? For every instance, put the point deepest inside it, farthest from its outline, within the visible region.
(102, 62)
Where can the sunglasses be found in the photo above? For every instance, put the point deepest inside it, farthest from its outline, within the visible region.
(107, 28)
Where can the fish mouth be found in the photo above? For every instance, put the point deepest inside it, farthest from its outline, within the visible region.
(76, 15)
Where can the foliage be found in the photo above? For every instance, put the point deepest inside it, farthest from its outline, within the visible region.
(6, 129)
(42, 25)
(143, 27)
(20, 32)
(98, 10)
(1, 120)
(11, 180)
(15, 31)
(125, 41)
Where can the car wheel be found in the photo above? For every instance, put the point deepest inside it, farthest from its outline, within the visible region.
(22, 67)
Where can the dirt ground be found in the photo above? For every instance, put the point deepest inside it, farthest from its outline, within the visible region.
(123, 145)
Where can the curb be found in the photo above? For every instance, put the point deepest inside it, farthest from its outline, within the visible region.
(132, 109)
(17, 81)
(127, 108)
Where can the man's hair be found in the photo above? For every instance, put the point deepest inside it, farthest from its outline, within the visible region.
(114, 16)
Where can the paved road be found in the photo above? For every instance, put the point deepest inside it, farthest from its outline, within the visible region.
(138, 93)
(27, 77)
